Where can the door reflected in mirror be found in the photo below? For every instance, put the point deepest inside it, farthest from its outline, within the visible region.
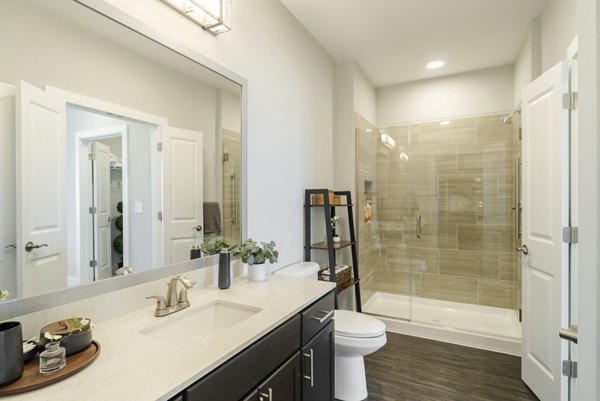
(118, 155)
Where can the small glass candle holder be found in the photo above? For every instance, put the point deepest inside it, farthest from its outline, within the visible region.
(53, 359)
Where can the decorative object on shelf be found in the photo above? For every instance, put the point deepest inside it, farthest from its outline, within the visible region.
(4, 294)
(368, 210)
(11, 352)
(256, 256)
(214, 246)
(53, 358)
(75, 334)
(336, 238)
(213, 16)
(30, 349)
(318, 199)
(343, 276)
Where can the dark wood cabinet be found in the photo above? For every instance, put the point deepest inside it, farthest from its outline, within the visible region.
(272, 369)
(284, 384)
(318, 366)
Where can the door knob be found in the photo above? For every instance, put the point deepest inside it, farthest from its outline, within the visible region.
(30, 246)
(197, 228)
(523, 249)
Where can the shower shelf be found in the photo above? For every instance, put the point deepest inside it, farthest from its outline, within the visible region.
(329, 210)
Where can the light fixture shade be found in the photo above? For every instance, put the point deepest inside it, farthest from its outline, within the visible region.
(212, 15)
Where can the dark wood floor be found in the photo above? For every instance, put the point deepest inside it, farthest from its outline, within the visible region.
(416, 369)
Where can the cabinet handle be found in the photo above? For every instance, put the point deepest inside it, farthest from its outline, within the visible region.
(419, 225)
(269, 395)
(324, 318)
(311, 376)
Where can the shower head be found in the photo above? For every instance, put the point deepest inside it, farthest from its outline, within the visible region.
(508, 119)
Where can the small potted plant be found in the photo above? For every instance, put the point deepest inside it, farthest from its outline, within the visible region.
(336, 238)
(256, 255)
(214, 246)
(4, 294)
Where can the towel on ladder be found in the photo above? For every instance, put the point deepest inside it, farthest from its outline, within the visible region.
(212, 218)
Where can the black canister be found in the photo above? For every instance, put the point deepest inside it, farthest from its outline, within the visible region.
(11, 352)
(224, 269)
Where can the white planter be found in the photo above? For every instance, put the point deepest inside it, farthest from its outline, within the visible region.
(336, 239)
(257, 272)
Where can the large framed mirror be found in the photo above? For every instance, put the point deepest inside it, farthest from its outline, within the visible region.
(118, 154)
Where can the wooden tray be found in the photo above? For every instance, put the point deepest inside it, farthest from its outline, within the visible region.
(32, 379)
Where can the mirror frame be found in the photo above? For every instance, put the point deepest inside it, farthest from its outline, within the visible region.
(17, 307)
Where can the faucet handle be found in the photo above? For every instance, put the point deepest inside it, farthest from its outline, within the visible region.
(183, 293)
(187, 283)
(160, 302)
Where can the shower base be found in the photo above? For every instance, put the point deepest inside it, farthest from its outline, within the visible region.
(485, 327)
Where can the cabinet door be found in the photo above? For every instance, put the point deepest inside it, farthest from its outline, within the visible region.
(318, 366)
(284, 384)
(253, 396)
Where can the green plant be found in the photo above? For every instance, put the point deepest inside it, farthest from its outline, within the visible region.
(255, 254)
(214, 245)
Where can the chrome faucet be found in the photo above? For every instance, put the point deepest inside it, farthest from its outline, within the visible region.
(173, 302)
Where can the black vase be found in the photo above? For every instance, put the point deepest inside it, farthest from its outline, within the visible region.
(11, 352)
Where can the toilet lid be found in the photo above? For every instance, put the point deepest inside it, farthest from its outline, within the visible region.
(358, 325)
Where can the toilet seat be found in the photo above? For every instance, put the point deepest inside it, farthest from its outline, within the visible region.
(357, 325)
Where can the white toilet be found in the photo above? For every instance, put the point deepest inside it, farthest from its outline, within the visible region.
(356, 335)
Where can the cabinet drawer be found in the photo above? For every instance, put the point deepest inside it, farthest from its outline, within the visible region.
(316, 316)
(233, 379)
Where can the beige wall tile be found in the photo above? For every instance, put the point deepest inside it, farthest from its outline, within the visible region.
(399, 282)
(496, 293)
(488, 238)
(449, 288)
(468, 264)
(491, 130)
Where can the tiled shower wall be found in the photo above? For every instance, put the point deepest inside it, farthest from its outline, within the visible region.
(460, 178)
(231, 186)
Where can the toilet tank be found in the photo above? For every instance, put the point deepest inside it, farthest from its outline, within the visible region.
(306, 270)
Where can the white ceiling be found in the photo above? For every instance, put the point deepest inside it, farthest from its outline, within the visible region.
(393, 40)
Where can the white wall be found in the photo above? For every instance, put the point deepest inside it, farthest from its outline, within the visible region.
(558, 28)
(365, 96)
(290, 80)
(477, 92)
(528, 65)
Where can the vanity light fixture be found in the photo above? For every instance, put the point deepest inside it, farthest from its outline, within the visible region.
(213, 16)
(434, 65)
(388, 141)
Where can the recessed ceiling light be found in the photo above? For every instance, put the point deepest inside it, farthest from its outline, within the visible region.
(435, 64)
(445, 122)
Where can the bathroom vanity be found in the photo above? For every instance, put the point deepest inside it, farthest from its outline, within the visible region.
(293, 362)
(254, 339)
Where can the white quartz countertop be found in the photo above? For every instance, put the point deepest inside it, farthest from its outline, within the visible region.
(135, 366)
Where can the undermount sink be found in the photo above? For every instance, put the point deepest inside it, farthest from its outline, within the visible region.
(198, 324)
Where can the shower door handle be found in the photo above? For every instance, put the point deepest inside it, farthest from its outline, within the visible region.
(419, 225)
(523, 249)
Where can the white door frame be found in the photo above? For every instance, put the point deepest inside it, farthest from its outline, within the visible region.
(588, 201)
(83, 225)
(161, 123)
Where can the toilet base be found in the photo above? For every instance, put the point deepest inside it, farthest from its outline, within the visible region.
(350, 378)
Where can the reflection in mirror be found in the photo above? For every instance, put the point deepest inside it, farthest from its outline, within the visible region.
(116, 153)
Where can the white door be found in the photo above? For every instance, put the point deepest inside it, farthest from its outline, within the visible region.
(182, 195)
(8, 240)
(41, 189)
(102, 215)
(545, 213)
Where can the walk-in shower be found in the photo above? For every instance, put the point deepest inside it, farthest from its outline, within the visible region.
(438, 256)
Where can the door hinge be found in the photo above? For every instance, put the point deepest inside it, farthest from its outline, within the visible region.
(520, 133)
(92, 156)
(569, 368)
(93, 210)
(93, 263)
(570, 235)
(160, 217)
(570, 100)
(159, 146)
